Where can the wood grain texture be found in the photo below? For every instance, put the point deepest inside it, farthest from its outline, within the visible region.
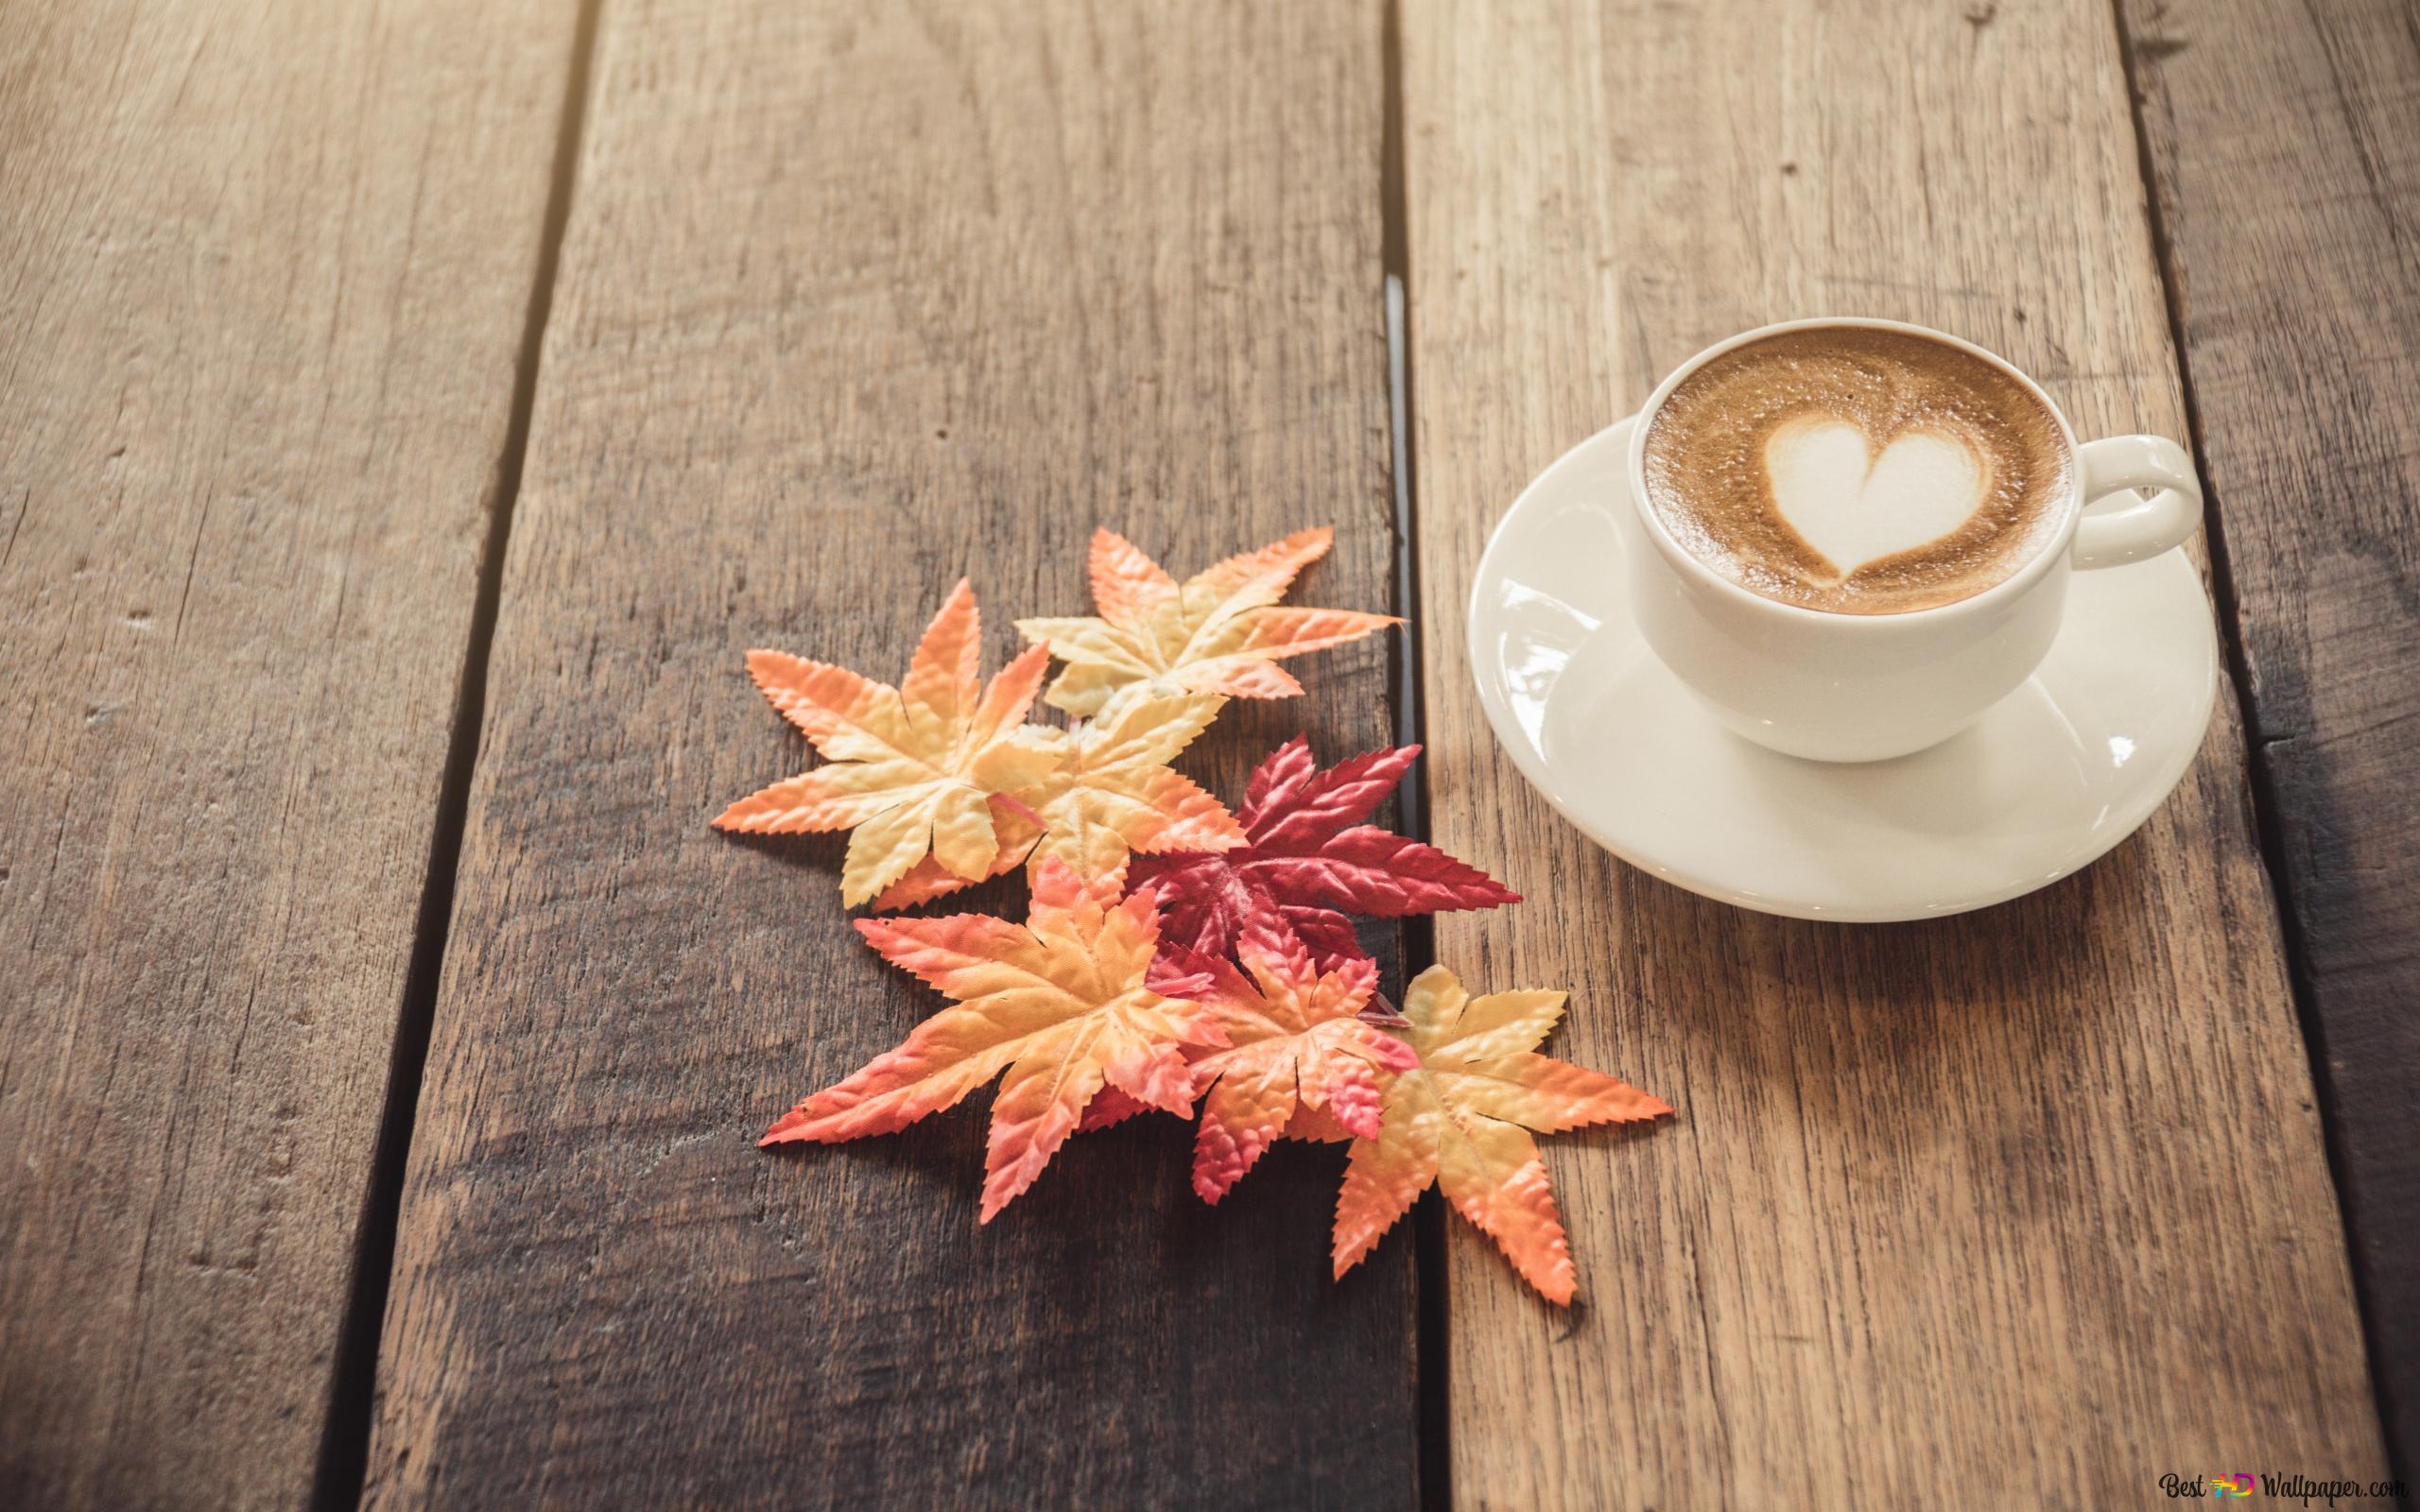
(2033, 1199)
(2284, 141)
(853, 299)
(264, 270)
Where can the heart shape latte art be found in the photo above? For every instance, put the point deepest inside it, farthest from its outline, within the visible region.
(1856, 507)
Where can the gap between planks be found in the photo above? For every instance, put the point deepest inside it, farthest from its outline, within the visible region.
(344, 1440)
(1432, 1419)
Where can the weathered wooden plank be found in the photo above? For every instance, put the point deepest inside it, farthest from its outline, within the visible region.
(266, 269)
(2285, 145)
(855, 298)
(2034, 1197)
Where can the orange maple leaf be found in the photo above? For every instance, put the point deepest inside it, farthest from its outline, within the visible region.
(1301, 1047)
(1221, 632)
(1462, 1121)
(911, 769)
(1058, 1003)
(1111, 793)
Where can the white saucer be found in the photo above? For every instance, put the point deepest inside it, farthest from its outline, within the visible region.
(2045, 782)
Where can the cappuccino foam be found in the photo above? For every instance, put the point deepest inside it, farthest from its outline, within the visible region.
(1858, 470)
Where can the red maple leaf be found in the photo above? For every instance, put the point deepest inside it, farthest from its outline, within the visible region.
(1308, 860)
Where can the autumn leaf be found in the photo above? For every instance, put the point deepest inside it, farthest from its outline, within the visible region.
(1017, 828)
(1060, 1004)
(1307, 860)
(911, 769)
(1110, 1108)
(1315, 1124)
(1300, 1045)
(1109, 793)
(1221, 632)
(1462, 1121)
(1174, 973)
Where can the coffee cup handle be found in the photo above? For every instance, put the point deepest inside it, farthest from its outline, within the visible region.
(2144, 526)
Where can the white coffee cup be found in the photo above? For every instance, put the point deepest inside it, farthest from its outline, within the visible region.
(1865, 687)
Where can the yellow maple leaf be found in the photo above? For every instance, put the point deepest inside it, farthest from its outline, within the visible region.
(1221, 632)
(1063, 1004)
(1110, 794)
(1461, 1121)
(911, 769)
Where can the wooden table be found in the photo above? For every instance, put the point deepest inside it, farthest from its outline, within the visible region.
(408, 415)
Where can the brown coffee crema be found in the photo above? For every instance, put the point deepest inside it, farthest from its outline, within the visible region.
(1708, 482)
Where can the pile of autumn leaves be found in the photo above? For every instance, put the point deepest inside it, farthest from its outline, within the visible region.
(1173, 953)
